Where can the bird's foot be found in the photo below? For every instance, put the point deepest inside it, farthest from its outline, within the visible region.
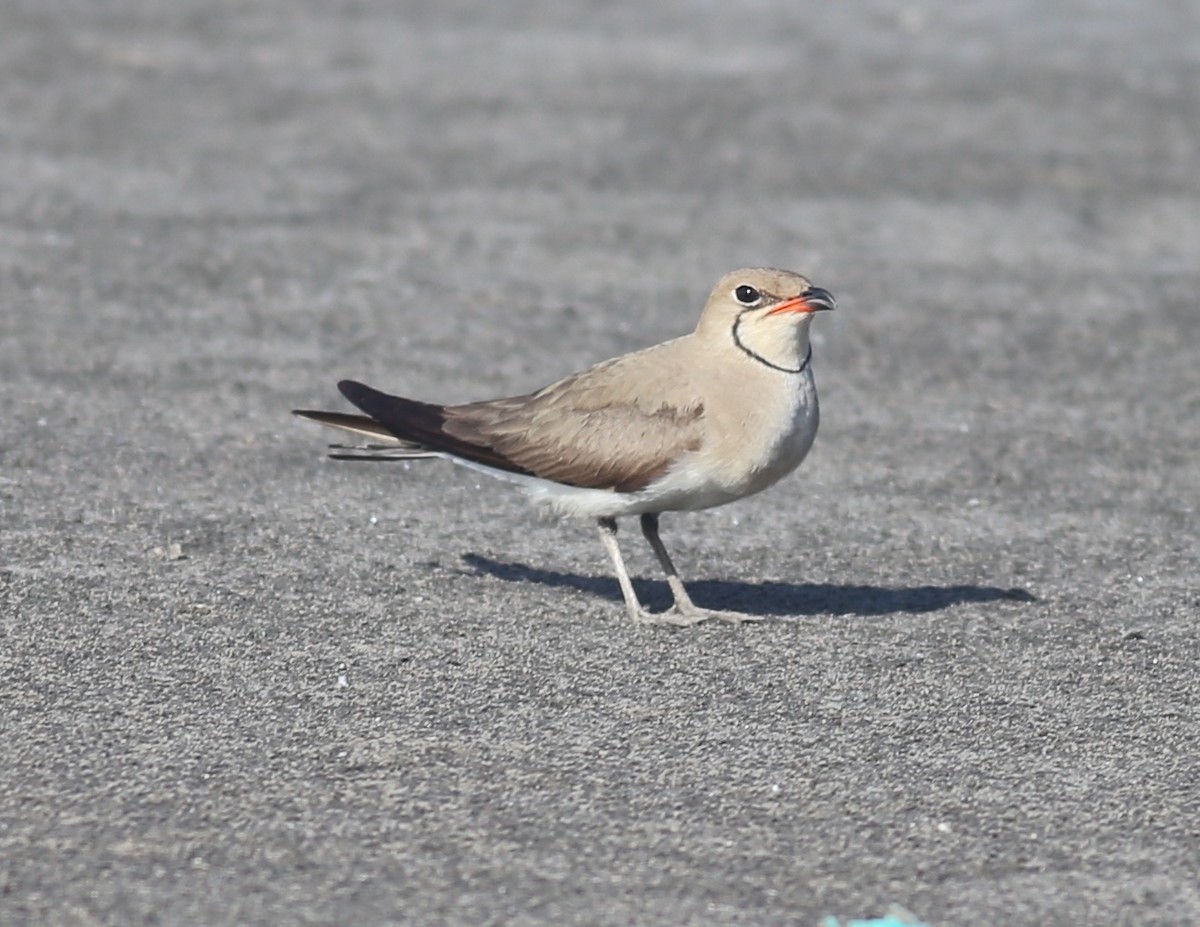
(672, 616)
(722, 615)
(688, 615)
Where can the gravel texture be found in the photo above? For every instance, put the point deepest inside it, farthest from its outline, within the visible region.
(243, 684)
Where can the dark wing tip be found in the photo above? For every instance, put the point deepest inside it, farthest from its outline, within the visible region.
(352, 389)
(422, 424)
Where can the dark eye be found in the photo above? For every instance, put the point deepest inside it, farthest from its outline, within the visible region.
(747, 295)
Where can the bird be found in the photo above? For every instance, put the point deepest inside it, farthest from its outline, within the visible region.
(688, 424)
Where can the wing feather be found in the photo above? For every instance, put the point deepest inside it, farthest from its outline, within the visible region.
(597, 429)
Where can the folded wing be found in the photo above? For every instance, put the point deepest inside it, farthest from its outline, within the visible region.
(579, 431)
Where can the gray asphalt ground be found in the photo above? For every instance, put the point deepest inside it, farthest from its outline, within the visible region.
(396, 695)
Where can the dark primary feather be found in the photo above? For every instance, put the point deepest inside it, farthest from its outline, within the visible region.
(567, 432)
(421, 423)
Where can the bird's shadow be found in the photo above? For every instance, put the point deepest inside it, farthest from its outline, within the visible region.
(766, 597)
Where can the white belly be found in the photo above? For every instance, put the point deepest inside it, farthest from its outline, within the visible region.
(737, 460)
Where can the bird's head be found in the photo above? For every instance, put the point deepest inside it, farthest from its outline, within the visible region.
(766, 313)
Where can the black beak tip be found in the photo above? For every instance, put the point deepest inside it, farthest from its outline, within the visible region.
(819, 298)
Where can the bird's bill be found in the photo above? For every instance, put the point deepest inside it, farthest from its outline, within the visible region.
(814, 299)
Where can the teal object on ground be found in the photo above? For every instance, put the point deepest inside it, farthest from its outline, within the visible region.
(896, 917)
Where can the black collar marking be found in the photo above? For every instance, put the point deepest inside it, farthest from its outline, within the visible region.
(762, 360)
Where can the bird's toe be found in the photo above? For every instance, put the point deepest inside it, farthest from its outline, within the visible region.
(672, 617)
(731, 617)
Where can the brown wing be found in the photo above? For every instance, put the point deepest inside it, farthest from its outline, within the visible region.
(608, 427)
(421, 424)
(583, 432)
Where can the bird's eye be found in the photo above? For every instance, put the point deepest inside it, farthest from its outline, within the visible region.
(747, 295)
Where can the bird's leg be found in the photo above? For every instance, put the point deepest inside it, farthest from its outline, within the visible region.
(683, 602)
(608, 535)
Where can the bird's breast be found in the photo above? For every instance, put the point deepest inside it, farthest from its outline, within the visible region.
(748, 446)
(782, 437)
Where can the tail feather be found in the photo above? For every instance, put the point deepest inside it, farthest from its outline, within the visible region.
(398, 448)
(378, 452)
(412, 429)
(358, 424)
(378, 456)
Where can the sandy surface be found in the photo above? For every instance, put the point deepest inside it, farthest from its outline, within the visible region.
(371, 695)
